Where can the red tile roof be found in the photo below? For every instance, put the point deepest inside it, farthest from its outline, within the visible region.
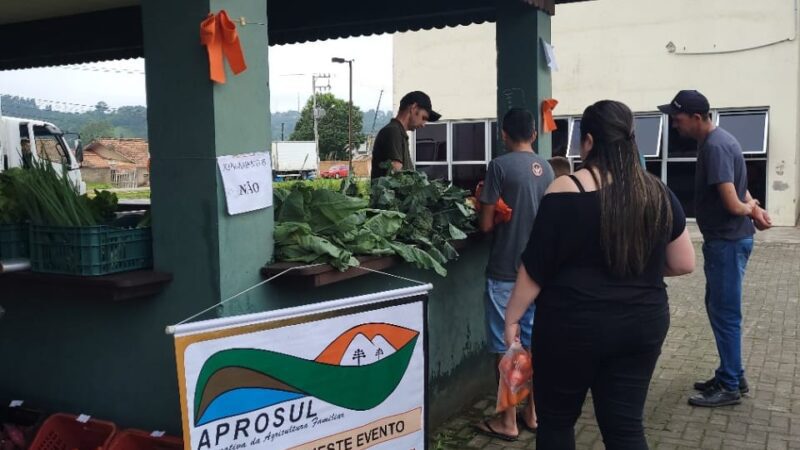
(135, 150)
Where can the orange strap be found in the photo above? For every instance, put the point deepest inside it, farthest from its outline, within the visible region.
(548, 123)
(218, 34)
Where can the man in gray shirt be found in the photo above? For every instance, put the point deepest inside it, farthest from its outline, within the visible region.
(726, 214)
(520, 178)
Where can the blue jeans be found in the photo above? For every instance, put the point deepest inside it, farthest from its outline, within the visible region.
(496, 299)
(725, 262)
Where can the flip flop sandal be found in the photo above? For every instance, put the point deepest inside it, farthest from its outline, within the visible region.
(489, 431)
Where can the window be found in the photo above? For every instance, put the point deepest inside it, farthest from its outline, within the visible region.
(561, 137)
(469, 141)
(648, 135)
(749, 128)
(680, 178)
(455, 151)
(431, 143)
(495, 138)
(48, 146)
(575, 139)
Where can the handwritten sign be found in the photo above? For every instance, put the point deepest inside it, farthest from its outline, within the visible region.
(247, 180)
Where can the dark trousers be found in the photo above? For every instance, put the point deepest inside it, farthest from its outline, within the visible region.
(612, 351)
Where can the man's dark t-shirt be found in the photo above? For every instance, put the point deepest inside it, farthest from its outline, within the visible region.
(521, 179)
(391, 144)
(720, 160)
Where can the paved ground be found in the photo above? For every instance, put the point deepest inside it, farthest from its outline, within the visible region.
(769, 417)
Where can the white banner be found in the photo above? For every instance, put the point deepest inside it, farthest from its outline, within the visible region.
(247, 180)
(346, 374)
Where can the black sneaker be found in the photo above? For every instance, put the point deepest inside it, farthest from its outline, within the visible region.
(703, 385)
(716, 395)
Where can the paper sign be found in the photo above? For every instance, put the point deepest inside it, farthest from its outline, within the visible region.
(247, 180)
(83, 418)
(550, 55)
(15, 404)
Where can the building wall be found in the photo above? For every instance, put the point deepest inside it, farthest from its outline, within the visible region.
(618, 49)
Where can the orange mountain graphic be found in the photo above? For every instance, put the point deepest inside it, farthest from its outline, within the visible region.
(395, 335)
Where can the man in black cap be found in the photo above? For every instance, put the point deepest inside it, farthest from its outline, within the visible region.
(726, 213)
(391, 143)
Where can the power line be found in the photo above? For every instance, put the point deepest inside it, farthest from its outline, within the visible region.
(63, 105)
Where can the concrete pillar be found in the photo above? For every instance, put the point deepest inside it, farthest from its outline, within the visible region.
(523, 78)
(191, 121)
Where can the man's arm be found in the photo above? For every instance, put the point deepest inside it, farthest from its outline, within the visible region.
(486, 223)
(731, 202)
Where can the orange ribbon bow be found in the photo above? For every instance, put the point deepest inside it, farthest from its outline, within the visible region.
(548, 105)
(218, 34)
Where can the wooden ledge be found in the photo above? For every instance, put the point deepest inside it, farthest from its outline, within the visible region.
(324, 274)
(137, 284)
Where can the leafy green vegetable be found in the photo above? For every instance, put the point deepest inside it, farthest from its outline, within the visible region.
(409, 216)
(46, 198)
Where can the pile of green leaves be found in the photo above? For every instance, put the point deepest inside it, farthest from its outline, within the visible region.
(325, 226)
(40, 195)
(436, 213)
(10, 210)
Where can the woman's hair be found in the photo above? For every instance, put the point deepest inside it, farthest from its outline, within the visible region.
(635, 211)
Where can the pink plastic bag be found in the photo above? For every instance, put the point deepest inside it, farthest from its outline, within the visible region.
(516, 373)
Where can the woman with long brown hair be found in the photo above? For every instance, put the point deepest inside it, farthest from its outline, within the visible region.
(601, 245)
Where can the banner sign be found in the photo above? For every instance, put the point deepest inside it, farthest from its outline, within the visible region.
(247, 180)
(343, 375)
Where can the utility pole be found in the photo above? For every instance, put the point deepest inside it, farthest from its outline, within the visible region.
(377, 108)
(283, 126)
(349, 114)
(317, 113)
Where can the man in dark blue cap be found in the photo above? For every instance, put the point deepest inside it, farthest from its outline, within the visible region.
(726, 214)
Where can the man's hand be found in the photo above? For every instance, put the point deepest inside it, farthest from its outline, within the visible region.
(511, 334)
(761, 219)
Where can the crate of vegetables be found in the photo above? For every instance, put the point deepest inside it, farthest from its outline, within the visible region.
(94, 250)
(13, 240)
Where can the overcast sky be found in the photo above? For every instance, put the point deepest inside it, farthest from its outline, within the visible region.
(121, 83)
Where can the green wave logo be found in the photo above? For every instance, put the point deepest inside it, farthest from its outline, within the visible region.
(357, 371)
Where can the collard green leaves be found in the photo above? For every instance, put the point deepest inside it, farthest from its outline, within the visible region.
(408, 215)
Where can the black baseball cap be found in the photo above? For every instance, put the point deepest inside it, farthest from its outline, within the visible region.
(421, 99)
(689, 102)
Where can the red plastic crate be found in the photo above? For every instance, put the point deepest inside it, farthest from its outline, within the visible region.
(64, 432)
(132, 439)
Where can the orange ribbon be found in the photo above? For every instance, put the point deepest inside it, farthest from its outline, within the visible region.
(548, 123)
(218, 34)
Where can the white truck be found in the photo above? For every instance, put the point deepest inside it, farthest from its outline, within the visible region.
(21, 139)
(294, 159)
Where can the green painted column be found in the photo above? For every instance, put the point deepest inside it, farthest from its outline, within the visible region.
(523, 78)
(191, 121)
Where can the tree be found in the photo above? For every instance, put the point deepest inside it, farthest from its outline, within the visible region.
(358, 355)
(332, 127)
(95, 130)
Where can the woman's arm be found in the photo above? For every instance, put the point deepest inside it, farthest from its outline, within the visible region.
(525, 292)
(680, 256)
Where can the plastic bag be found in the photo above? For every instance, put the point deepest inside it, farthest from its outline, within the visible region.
(516, 373)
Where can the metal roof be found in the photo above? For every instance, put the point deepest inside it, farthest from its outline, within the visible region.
(80, 36)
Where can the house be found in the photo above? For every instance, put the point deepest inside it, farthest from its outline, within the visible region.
(119, 162)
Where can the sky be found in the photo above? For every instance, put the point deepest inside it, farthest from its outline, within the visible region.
(120, 83)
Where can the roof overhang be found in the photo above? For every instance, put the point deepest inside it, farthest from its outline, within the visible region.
(37, 33)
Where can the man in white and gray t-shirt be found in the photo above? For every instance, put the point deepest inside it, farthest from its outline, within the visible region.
(520, 178)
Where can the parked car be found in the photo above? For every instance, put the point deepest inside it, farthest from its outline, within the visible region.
(335, 172)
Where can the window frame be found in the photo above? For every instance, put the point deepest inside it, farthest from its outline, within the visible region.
(449, 161)
(744, 112)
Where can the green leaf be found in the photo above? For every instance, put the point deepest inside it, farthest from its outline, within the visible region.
(418, 257)
(456, 234)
